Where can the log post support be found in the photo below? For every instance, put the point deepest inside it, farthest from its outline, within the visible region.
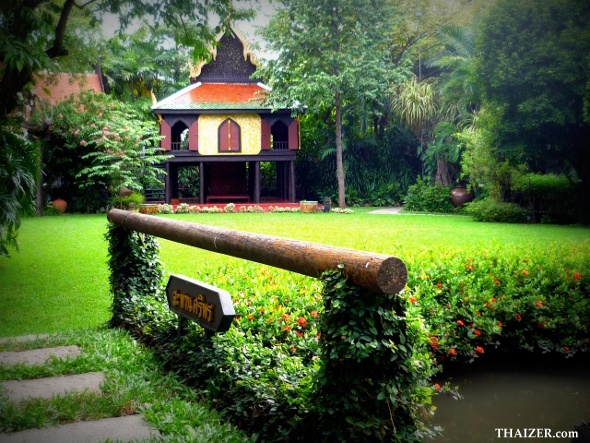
(377, 272)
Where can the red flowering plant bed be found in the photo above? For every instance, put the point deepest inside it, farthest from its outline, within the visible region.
(502, 299)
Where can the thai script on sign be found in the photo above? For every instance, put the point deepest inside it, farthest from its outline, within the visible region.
(197, 306)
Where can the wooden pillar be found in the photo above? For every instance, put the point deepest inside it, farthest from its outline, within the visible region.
(256, 182)
(201, 183)
(168, 183)
(292, 189)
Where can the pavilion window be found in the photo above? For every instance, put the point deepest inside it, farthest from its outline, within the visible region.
(229, 136)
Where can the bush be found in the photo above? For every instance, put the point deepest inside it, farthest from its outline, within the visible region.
(550, 198)
(489, 210)
(502, 299)
(423, 197)
(131, 201)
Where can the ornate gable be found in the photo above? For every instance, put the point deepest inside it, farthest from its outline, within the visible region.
(232, 61)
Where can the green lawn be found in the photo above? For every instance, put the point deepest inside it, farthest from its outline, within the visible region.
(59, 280)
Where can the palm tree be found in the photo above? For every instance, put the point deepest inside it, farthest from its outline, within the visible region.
(458, 89)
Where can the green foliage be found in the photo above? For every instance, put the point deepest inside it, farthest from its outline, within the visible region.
(489, 210)
(551, 198)
(136, 274)
(423, 197)
(502, 299)
(131, 201)
(533, 73)
(99, 143)
(18, 170)
(372, 385)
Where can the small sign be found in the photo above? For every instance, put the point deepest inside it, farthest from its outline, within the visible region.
(209, 306)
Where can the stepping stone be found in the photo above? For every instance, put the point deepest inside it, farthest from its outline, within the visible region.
(128, 428)
(38, 356)
(23, 338)
(18, 390)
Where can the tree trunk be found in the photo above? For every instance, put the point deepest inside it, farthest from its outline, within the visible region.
(339, 162)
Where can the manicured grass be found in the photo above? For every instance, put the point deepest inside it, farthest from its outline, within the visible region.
(59, 281)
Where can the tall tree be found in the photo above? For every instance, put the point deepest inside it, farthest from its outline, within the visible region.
(534, 68)
(331, 53)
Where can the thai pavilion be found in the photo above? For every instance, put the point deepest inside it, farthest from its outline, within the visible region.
(220, 125)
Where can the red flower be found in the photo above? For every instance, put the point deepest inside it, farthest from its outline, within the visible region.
(539, 304)
(518, 317)
(497, 282)
(251, 317)
(286, 317)
(439, 285)
(525, 272)
(479, 350)
(286, 328)
(412, 300)
(540, 325)
(299, 334)
(477, 332)
(314, 314)
(434, 342)
(566, 348)
(500, 324)
(452, 351)
(460, 323)
(577, 276)
(302, 322)
(437, 386)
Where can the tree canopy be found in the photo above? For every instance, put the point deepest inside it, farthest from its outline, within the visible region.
(534, 71)
(34, 33)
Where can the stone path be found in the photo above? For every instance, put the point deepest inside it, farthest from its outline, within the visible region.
(122, 429)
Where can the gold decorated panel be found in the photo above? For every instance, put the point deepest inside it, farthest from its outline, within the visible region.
(250, 132)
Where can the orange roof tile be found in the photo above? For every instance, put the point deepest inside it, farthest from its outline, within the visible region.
(210, 96)
(225, 93)
(61, 86)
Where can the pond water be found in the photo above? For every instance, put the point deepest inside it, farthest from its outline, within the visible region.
(504, 401)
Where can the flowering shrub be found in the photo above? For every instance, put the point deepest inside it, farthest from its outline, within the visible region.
(251, 208)
(283, 209)
(229, 208)
(165, 209)
(502, 299)
(183, 208)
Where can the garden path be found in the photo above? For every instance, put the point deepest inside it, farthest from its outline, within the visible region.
(123, 429)
(392, 210)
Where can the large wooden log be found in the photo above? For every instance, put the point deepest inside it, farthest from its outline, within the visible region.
(377, 272)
